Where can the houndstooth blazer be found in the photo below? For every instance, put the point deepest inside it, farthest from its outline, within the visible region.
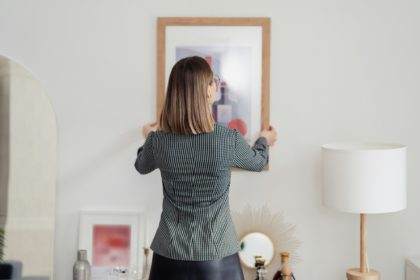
(195, 223)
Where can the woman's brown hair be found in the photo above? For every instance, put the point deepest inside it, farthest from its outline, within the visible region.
(186, 109)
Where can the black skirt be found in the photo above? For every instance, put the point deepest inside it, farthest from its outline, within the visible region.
(164, 268)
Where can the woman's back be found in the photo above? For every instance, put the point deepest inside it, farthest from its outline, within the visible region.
(195, 169)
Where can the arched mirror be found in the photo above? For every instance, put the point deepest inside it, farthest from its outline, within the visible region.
(256, 244)
(28, 163)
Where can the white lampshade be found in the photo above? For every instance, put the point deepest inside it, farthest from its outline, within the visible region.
(364, 177)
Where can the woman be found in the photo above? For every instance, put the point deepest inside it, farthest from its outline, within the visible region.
(196, 238)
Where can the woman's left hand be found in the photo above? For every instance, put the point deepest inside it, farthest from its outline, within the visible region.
(147, 128)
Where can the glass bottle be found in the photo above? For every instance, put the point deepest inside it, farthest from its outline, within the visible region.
(146, 266)
(285, 272)
(81, 268)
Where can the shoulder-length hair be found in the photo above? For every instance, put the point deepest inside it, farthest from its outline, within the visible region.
(186, 109)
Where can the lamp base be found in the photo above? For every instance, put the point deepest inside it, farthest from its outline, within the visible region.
(355, 274)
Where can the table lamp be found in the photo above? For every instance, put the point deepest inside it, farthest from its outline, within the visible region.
(364, 178)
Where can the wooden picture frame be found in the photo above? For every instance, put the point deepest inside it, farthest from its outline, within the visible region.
(187, 34)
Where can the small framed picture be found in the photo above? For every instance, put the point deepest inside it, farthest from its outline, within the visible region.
(237, 50)
(112, 240)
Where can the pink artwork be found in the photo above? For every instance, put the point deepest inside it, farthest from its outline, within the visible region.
(111, 245)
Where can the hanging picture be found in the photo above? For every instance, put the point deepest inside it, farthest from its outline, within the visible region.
(237, 50)
(113, 240)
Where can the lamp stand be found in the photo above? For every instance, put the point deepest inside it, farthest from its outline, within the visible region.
(362, 273)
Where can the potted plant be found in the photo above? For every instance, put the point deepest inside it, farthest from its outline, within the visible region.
(1, 244)
(6, 269)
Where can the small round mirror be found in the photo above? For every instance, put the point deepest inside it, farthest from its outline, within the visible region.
(256, 244)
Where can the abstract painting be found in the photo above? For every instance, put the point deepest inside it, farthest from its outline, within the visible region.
(237, 50)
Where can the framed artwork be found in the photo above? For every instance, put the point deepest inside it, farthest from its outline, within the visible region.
(112, 240)
(238, 51)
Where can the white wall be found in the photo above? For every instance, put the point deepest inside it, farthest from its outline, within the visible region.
(341, 70)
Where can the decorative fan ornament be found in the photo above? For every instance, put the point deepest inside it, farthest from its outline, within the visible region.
(273, 225)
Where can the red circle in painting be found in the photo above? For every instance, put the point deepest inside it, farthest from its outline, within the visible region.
(238, 124)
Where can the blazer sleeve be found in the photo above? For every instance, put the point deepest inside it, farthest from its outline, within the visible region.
(253, 158)
(145, 161)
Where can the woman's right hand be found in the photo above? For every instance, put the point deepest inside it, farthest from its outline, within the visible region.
(270, 134)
